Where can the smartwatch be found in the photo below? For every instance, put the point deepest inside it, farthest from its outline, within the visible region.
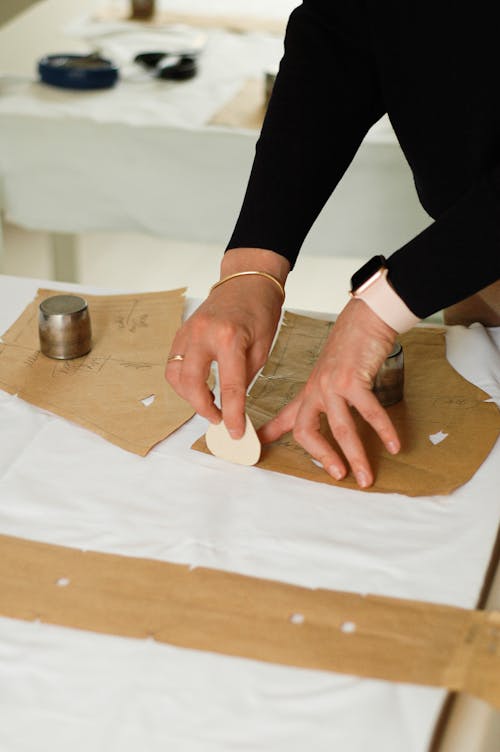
(370, 284)
(367, 275)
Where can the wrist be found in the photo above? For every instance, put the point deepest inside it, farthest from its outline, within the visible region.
(255, 259)
(371, 285)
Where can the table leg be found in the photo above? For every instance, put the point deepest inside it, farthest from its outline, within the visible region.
(2, 246)
(63, 248)
(2, 242)
(474, 726)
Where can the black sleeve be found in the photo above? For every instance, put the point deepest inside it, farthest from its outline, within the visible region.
(327, 95)
(455, 256)
(438, 73)
(324, 101)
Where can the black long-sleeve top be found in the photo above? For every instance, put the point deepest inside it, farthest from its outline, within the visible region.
(434, 67)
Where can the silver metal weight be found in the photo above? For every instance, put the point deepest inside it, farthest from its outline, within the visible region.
(64, 327)
(389, 381)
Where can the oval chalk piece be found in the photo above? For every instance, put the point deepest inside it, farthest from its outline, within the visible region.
(244, 451)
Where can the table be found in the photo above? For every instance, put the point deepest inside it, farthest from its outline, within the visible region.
(142, 158)
(87, 691)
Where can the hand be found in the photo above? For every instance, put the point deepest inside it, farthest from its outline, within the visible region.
(343, 376)
(235, 326)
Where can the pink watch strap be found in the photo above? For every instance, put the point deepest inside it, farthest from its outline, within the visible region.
(386, 303)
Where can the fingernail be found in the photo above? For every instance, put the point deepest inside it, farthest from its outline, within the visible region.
(393, 447)
(362, 479)
(235, 434)
(336, 472)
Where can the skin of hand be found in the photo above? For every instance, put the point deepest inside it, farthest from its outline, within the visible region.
(234, 326)
(343, 376)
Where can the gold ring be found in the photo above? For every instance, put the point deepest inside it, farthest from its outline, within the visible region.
(174, 357)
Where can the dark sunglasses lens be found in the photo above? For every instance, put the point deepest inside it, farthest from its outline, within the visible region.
(185, 68)
(149, 59)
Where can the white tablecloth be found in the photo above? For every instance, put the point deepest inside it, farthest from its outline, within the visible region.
(141, 157)
(63, 689)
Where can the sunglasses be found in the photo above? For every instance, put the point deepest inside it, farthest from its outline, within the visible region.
(167, 65)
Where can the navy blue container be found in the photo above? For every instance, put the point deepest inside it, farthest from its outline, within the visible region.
(78, 71)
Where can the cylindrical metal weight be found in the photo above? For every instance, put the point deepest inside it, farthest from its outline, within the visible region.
(64, 327)
(389, 381)
(142, 8)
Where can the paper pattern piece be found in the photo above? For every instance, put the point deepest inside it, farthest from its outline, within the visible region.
(108, 390)
(436, 398)
(246, 109)
(233, 614)
(244, 451)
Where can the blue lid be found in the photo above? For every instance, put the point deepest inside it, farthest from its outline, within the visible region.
(78, 71)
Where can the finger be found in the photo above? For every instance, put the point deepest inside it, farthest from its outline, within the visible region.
(372, 411)
(344, 431)
(173, 368)
(307, 433)
(256, 358)
(233, 389)
(283, 422)
(189, 379)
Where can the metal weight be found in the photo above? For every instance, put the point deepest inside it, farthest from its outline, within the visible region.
(389, 381)
(64, 327)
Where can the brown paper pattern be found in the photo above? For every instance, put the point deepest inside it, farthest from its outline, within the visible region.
(222, 612)
(436, 398)
(102, 391)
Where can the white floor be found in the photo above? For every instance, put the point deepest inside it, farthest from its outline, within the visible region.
(144, 263)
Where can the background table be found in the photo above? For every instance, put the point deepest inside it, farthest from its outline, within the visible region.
(142, 157)
(62, 688)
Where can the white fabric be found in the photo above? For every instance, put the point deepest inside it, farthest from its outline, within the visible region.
(483, 347)
(62, 484)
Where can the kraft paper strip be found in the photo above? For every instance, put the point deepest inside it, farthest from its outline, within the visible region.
(437, 402)
(222, 612)
(246, 109)
(118, 390)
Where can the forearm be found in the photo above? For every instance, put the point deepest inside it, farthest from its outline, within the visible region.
(324, 100)
(456, 256)
(255, 259)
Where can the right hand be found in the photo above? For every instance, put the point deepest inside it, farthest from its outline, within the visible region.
(234, 326)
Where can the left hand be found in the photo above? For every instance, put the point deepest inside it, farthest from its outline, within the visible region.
(343, 376)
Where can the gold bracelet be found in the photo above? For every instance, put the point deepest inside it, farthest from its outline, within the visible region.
(245, 274)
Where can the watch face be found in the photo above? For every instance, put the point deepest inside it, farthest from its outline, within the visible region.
(367, 270)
